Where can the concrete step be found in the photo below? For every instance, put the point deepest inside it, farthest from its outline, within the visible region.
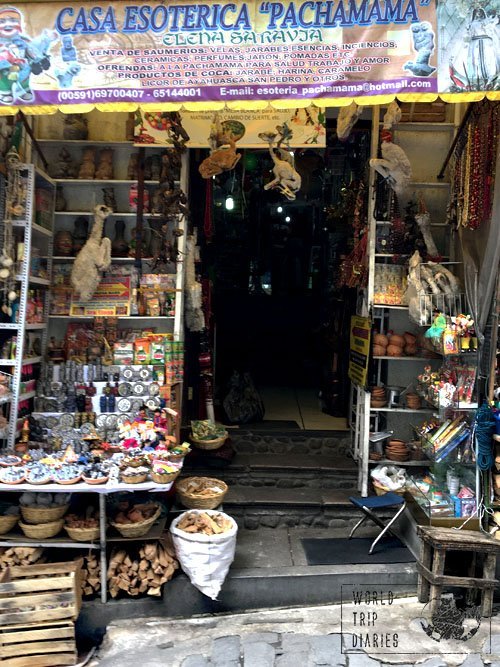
(288, 471)
(299, 441)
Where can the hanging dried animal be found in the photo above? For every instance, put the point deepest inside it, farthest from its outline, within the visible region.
(223, 155)
(394, 165)
(347, 119)
(392, 116)
(423, 218)
(94, 257)
(287, 180)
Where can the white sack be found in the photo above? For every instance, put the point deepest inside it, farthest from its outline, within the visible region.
(205, 558)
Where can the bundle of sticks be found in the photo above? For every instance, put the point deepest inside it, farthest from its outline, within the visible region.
(153, 566)
(91, 575)
(14, 556)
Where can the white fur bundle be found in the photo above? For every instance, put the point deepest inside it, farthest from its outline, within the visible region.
(347, 119)
(394, 166)
(94, 257)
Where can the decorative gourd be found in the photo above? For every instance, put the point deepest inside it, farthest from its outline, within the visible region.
(380, 339)
(410, 350)
(395, 339)
(394, 351)
(379, 351)
(410, 339)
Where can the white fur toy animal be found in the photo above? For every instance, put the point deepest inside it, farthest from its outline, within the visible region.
(287, 181)
(347, 120)
(94, 257)
(392, 116)
(394, 165)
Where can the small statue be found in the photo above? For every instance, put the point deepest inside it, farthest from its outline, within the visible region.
(87, 168)
(108, 195)
(64, 166)
(75, 127)
(105, 168)
(60, 203)
(68, 51)
(133, 165)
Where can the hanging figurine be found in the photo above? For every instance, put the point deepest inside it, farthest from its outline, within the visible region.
(286, 179)
(223, 155)
(347, 119)
(94, 257)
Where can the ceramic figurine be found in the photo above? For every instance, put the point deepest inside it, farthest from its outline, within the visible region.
(64, 166)
(105, 168)
(80, 233)
(87, 168)
(132, 167)
(75, 127)
(60, 203)
(63, 243)
(109, 199)
(119, 247)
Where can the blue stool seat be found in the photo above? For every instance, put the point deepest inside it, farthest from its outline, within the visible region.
(369, 506)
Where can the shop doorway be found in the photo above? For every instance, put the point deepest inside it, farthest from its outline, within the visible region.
(279, 312)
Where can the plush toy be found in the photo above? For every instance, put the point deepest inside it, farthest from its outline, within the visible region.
(394, 165)
(287, 180)
(347, 120)
(105, 168)
(87, 168)
(94, 257)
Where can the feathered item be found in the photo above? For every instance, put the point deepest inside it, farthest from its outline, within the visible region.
(93, 258)
(394, 165)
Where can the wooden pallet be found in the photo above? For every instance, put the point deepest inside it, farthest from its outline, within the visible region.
(38, 645)
(40, 593)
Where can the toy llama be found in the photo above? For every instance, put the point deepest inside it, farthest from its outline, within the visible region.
(94, 257)
(287, 180)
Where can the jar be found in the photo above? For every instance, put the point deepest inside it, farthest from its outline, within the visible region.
(63, 243)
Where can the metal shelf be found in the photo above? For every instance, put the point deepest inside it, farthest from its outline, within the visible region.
(9, 325)
(409, 358)
(85, 142)
(35, 280)
(414, 464)
(122, 317)
(61, 258)
(122, 214)
(26, 397)
(35, 326)
(100, 181)
(422, 410)
(25, 362)
(418, 184)
(5, 399)
(387, 305)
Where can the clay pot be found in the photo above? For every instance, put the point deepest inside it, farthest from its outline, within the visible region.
(379, 351)
(63, 243)
(380, 339)
(410, 350)
(410, 339)
(395, 339)
(394, 351)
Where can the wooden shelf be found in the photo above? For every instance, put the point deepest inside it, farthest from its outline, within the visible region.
(121, 214)
(18, 539)
(422, 410)
(99, 181)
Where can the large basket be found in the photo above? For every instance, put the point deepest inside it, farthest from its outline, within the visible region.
(83, 534)
(209, 444)
(136, 529)
(164, 478)
(41, 531)
(36, 515)
(133, 479)
(382, 490)
(193, 500)
(7, 522)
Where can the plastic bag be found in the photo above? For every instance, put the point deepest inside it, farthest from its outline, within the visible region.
(205, 559)
(390, 477)
(243, 403)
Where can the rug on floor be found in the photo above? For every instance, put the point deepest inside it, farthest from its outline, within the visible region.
(270, 425)
(341, 551)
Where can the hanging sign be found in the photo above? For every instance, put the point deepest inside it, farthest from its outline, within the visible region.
(86, 53)
(359, 349)
(305, 127)
(111, 299)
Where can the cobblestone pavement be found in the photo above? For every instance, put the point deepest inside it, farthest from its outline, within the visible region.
(300, 637)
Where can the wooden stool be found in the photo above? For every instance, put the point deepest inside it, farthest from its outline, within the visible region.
(436, 542)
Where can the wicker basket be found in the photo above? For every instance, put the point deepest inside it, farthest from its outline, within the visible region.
(177, 457)
(134, 479)
(41, 531)
(164, 478)
(209, 444)
(194, 501)
(99, 480)
(136, 529)
(36, 515)
(83, 534)
(7, 522)
(382, 490)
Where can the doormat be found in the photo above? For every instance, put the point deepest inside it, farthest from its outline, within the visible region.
(271, 425)
(341, 551)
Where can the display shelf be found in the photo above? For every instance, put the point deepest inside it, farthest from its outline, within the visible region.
(61, 258)
(404, 464)
(85, 142)
(121, 317)
(433, 224)
(425, 126)
(25, 362)
(387, 305)
(97, 181)
(15, 539)
(27, 396)
(39, 172)
(35, 326)
(5, 399)
(155, 533)
(122, 214)
(420, 410)
(430, 184)
(408, 358)
(9, 325)
(35, 280)
(38, 229)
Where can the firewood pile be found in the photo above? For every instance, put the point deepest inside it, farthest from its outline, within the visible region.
(91, 575)
(15, 556)
(153, 566)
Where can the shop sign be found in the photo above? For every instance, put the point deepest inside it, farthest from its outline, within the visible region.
(111, 299)
(179, 52)
(305, 127)
(359, 349)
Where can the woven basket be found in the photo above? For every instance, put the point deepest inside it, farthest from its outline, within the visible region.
(194, 501)
(83, 534)
(7, 522)
(177, 457)
(99, 480)
(41, 531)
(382, 490)
(37, 515)
(133, 479)
(136, 529)
(209, 444)
(164, 478)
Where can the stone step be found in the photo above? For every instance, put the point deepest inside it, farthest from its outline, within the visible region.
(289, 471)
(302, 442)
